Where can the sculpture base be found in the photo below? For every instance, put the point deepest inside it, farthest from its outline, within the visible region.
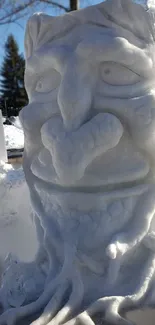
(138, 317)
(142, 317)
(75, 278)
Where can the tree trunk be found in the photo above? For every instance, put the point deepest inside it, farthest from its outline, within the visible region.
(74, 5)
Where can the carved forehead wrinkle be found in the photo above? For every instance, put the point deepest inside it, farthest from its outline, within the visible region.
(54, 53)
(92, 42)
(89, 25)
(130, 21)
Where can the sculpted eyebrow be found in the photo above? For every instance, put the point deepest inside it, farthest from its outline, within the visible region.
(117, 50)
(52, 56)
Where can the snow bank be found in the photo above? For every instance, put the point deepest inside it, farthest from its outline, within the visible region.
(3, 153)
(14, 137)
(17, 232)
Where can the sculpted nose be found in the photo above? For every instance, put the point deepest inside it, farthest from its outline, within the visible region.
(75, 92)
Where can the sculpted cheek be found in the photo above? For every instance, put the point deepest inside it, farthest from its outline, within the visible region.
(144, 115)
(143, 129)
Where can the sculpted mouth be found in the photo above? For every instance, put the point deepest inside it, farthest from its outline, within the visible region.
(47, 186)
(94, 180)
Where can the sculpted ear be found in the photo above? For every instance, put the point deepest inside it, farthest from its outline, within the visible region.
(31, 34)
(35, 35)
(42, 29)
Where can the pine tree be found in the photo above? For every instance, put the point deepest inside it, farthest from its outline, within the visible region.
(13, 92)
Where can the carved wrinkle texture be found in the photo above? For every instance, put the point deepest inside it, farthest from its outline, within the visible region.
(89, 163)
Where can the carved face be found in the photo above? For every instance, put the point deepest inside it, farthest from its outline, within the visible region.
(91, 118)
(89, 142)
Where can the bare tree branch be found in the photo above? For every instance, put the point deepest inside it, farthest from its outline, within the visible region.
(11, 10)
(55, 4)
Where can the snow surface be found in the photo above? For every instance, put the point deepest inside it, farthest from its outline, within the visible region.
(17, 231)
(14, 137)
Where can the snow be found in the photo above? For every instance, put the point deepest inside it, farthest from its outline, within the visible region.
(150, 3)
(17, 231)
(16, 122)
(14, 137)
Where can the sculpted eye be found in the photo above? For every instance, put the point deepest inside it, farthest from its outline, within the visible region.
(48, 82)
(117, 75)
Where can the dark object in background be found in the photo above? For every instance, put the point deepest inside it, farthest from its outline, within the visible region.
(7, 121)
(13, 93)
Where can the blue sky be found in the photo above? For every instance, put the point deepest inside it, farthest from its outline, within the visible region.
(17, 29)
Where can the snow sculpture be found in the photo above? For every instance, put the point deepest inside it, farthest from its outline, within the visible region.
(90, 166)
